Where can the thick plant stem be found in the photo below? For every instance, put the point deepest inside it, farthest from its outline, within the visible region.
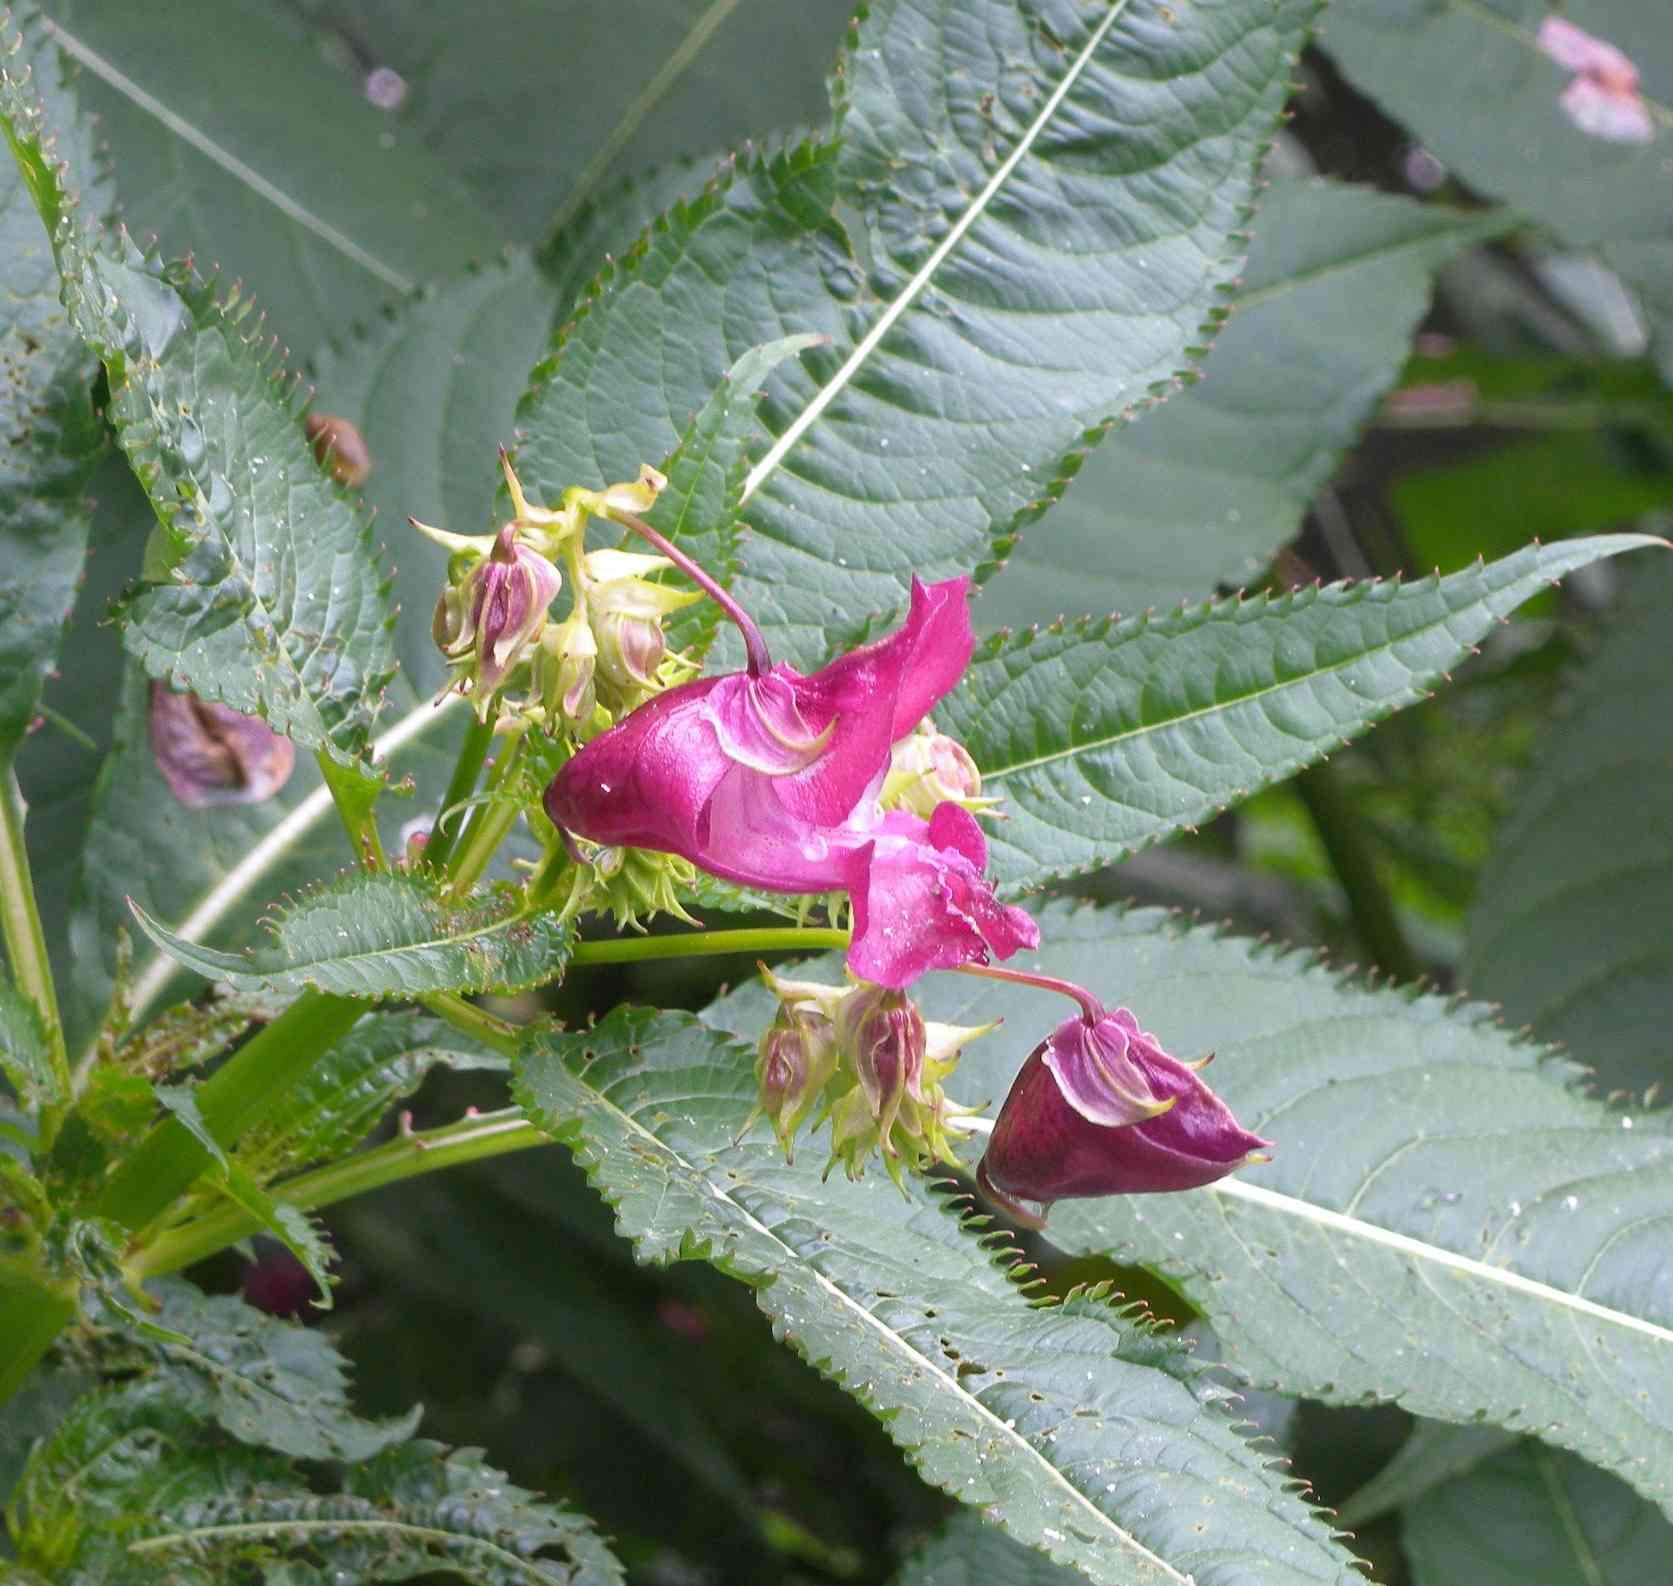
(461, 785)
(31, 1316)
(478, 1023)
(25, 944)
(251, 1082)
(487, 831)
(409, 1154)
(1345, 840)
(706, 944)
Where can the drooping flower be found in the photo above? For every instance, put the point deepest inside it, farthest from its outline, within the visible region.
(1602, 98)
(1099, 1108)
(772, 779)
(211, 754)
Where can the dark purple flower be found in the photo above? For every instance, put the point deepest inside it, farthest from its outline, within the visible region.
(1099, 1108)
(772, 779)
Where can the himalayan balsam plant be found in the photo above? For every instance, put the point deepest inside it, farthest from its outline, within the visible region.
(715, 801)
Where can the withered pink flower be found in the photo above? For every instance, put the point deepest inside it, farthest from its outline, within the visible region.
(1603, 97)
(212, 754)
(1098, 1108)
(772, 779)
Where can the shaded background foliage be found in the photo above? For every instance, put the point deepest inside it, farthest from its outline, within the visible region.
(524, 148)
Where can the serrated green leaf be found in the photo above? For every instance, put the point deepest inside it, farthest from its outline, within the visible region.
(288, 1224)
(699, 507)
(969, 1553)
(25, 1059)
(322, 204)
(607, 224)
(1083, 173)
(1445, 1221)
(432, 386)
(269, 1383)
(1572, 927)
(139, 1481)
(261, 590)
(86, 1491)
(413, 1510)
(1077, 1428)
(344, 1095)
(30, 1414)
(49, 435)
(1469, 80)
(646, 82)
(1103, 737)
(1532, 1517)
(1336, 283)
(388, 935)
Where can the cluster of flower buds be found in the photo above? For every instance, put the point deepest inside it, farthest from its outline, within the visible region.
(1099, 1108)
(863, 1057)
(495, 613)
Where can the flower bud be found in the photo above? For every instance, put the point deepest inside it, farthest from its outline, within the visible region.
(881, 1035)
(506, 594)
(339, 447)
(929, 769)
(451, 627)
(571, 659)
(627, 610)
(796, 1056)
(1099, 1108)
(211, 754)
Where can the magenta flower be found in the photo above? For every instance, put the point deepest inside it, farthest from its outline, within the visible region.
(1603, 97)
(772, 779)
(1099, 1108)
(491, 621)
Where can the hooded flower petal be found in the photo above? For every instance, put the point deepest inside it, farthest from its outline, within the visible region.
(1047, 1145)
(772, 781)
(922, 902)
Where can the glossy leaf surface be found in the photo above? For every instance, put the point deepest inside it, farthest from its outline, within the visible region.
(1106, 736)
(1003, 1405)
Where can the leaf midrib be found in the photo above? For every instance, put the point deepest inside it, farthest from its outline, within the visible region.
(1303, 680)
(920, 279)
(229, 162)
(1405, 1244)
(921, 1361)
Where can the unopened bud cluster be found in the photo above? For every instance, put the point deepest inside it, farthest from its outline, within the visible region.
(863, 1058)
(494, 624)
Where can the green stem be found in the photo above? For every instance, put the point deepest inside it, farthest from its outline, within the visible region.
(31, 1317)
(488, 830)
(407, 1156)
(1355, 863)
(246, 1086)
(21, 921)
(495, 1034)
(704, 944)
(460, 786)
